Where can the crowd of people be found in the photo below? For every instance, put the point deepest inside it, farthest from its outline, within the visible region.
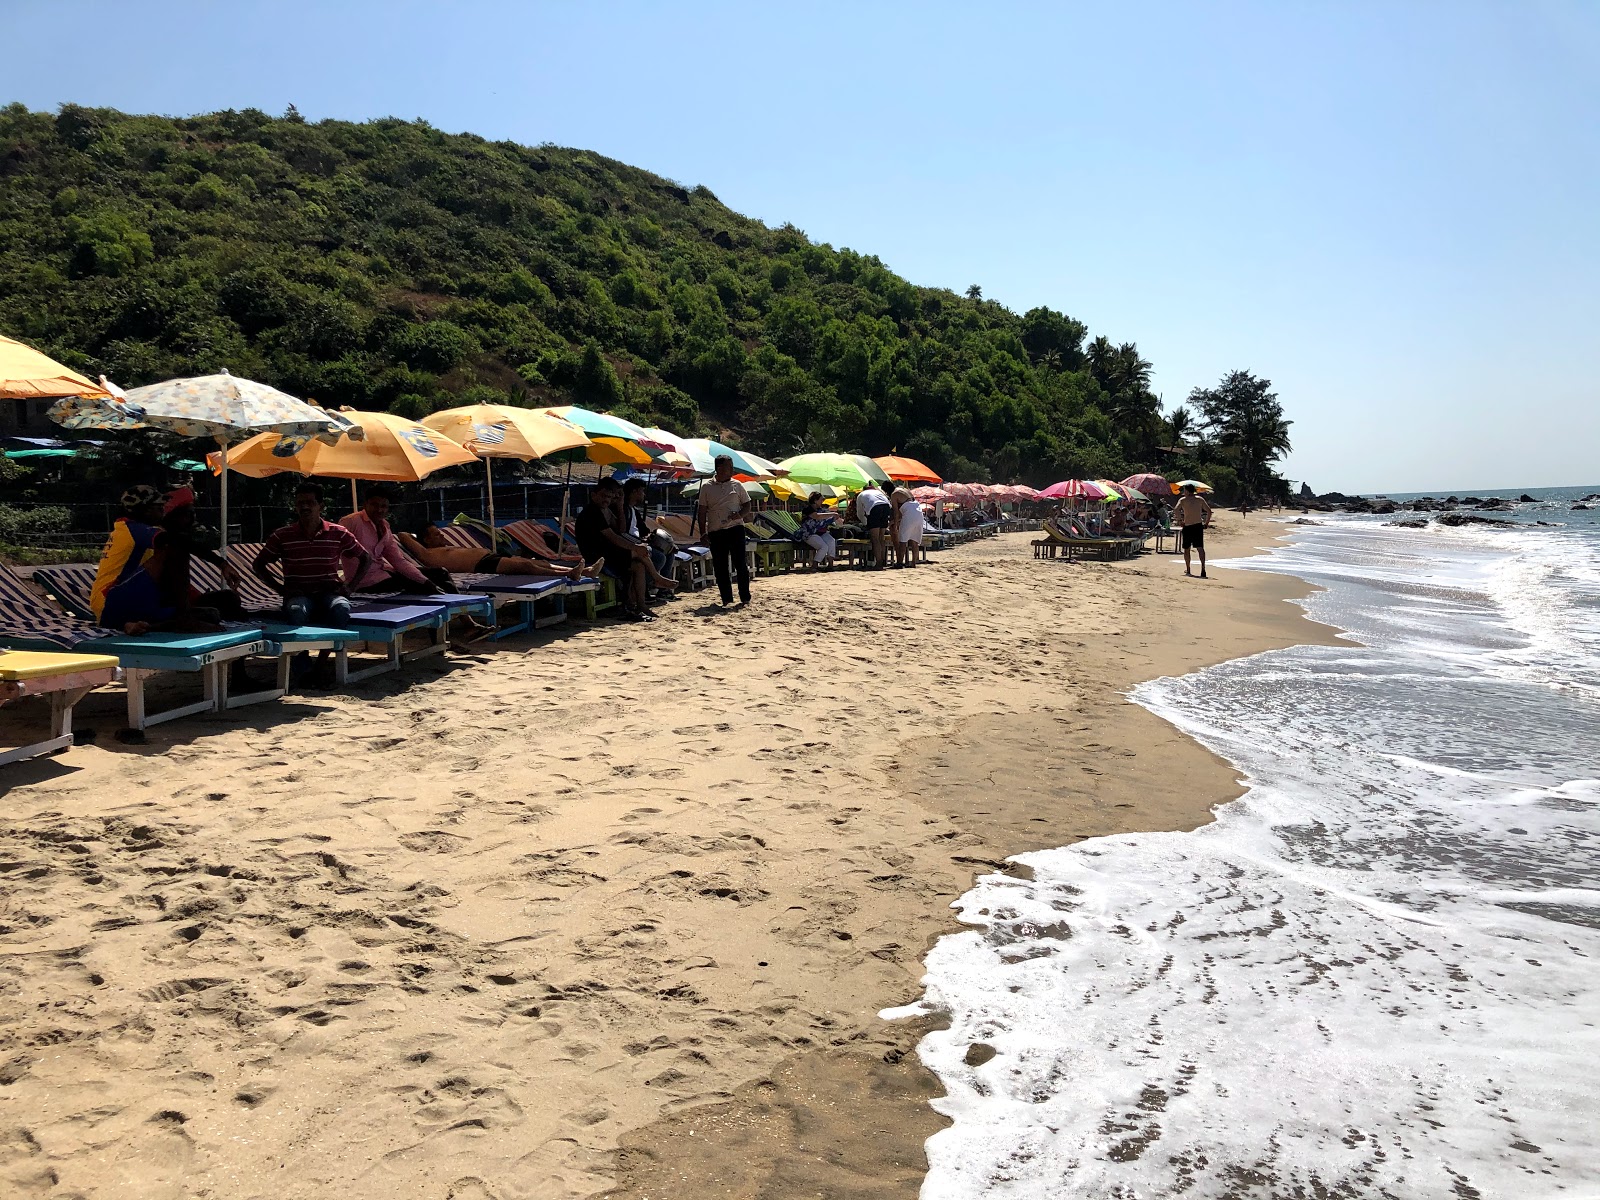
(143, 581)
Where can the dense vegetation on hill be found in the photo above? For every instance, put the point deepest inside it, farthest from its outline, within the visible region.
(389, 265)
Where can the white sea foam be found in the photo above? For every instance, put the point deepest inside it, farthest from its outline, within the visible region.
(1374, 975)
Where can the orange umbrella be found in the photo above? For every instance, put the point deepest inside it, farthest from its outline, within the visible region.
(393, 449)
(25, 374)
(907, 470)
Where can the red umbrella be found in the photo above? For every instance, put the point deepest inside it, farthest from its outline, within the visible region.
(1150, 485)
(1074, 489)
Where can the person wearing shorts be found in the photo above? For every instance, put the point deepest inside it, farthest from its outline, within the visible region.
(1192, 514)
(876, 512)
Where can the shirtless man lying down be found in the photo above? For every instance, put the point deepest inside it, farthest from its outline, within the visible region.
(432, 551)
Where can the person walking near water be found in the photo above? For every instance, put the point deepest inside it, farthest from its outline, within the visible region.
(724, 507)
(1192, 514)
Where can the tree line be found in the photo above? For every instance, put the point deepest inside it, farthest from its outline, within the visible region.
(389, 265)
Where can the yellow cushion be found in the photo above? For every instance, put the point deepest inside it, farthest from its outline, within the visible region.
(38, 664)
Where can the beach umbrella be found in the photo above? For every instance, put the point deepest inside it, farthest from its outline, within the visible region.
(754, 488)
(1148, 485)
(907, 470)
(785, 488)
(392, 449)
(493, 431)
(1073, 489)
(750, 466)
(836, 470)
(612, 440)
(870, 468)
(225, 407)
(694, 458)
(26, 374)
(1194, 483)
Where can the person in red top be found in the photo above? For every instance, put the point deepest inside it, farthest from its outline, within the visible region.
(312, 551)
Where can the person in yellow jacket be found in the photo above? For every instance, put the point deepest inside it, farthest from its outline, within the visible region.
(143, 579)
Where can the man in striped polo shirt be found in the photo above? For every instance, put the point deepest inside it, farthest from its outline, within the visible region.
(312, 552)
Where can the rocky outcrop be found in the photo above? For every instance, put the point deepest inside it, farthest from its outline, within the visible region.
(1526, 499)
(1408, 523)
(1453, 519)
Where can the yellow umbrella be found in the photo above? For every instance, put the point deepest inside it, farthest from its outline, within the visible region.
(25, 374)
(390, 449)
(504, 431)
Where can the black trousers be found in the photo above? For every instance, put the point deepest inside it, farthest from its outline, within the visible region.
(727, 559)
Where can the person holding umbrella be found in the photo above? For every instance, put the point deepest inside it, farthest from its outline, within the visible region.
(724, 508)
(1192, 514)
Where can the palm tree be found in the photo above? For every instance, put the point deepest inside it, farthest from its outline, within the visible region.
(1179, 422)
(974, 292)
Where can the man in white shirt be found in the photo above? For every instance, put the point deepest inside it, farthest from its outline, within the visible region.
(724, 508)
(874, 510)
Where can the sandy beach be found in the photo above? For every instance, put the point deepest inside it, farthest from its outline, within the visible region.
(611, 909)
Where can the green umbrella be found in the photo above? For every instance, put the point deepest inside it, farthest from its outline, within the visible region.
(871, 469)
(835, 470)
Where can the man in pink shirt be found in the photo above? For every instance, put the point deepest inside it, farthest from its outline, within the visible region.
(391, 569)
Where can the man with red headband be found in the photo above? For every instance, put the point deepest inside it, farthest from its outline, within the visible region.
(143, 580)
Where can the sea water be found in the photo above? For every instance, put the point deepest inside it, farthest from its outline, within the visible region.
(1377, 974)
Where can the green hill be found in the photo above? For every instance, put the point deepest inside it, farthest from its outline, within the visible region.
(389, 265)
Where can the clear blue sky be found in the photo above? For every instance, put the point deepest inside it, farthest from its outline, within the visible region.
(1389, 209)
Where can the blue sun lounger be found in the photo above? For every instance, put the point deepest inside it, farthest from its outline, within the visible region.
(30, 621)
(71, 586)
(382, 622)
(521, 593)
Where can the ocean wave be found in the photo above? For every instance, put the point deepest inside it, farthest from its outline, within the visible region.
(1372, 975)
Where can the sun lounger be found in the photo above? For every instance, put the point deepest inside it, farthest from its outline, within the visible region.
(63, 679)
(678, 526)
(380, 621)
(71, 586)
(31, 621)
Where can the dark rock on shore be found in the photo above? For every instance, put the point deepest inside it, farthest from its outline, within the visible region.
(1408, 523)
(1304, 521)
(1526, 499)
(1453, 519)
(1580, 508)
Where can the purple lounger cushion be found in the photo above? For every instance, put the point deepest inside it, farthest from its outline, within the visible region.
(522, 584)
(394, 616)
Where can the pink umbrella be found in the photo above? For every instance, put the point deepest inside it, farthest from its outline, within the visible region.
(1074, 489)
(1149, 485)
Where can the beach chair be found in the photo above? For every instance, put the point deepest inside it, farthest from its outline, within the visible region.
(380, 621)
(71, 585)
(31, 621)
(62, 679)
(594, 596)
(693, 558)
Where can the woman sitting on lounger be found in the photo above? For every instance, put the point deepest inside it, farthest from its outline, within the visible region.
(432, 551)
(814, 532)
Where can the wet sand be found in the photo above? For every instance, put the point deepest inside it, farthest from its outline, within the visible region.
(606, 910)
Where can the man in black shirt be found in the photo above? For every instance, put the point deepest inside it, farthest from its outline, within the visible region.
(599, 531)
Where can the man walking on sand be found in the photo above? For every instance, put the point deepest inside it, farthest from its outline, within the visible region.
(1192, 514)
(724, 507)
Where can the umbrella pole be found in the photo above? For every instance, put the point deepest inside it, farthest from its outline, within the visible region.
(488, 473)
(566, 493)
(224, 459)
(355, 504)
